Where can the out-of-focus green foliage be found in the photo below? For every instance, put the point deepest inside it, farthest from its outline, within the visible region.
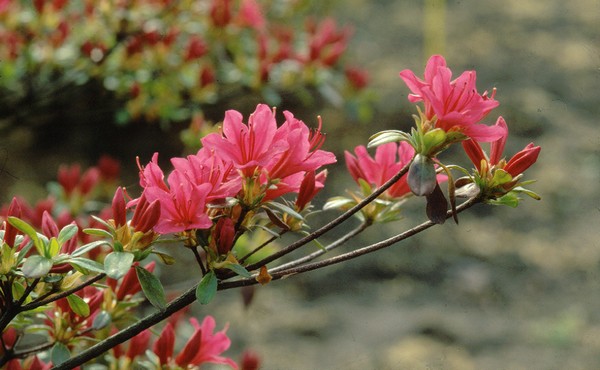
(168, 60)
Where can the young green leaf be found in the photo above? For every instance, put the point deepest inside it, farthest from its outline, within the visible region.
(67, 233)
(285, 209)
(36, 266)
(238, 269)
(78, 305)
(59, 353)
(207, 288)
(52, 248)
(151, 287)
(98, 232)
(88, 247)
(117, 264)
(28, 230)
(101, 320)
(85, 266)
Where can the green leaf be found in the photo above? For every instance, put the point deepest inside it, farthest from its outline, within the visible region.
(78, 305)
(59, 353)
(500, 177)
(151, 287)
(67, 233)
(53, 248)
(528, 192)
(509, 199)
(238, 269)
(432, 139)
(101, 221)
(319, 245)
(365, 187)
(285, 209)
(98, 232)
(117, 264)
(101, 320)
(207, 288)
(88, 247)
(36, 266)
(165, 258)
(85, 266)
(387, 136)
(18, 290)
(28, 230)
(339, 203)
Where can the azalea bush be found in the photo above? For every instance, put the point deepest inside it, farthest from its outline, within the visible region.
(168, 61)
(74, 272)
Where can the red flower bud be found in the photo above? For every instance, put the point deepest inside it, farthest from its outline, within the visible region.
(522, 160)
(119, 209)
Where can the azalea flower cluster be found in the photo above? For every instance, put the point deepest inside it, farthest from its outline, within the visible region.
(452, 112)
(237, 171)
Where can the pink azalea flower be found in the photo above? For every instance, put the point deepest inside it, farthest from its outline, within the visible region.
(206, 167)
(203, 346)
(515, 166)
(182, 202)
(456, 103)
(249, 146)
(389, 159)
(276, 156)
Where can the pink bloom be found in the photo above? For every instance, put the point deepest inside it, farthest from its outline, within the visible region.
(182, 207)
(249, 146)
(515, 166)
(456, 103)
(182, 203)
(203, 346)
(206, 167)
(389, 159)
(277, 156)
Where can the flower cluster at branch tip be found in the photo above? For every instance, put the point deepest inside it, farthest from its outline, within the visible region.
(255, 162)
(451, 105)
(496, 177)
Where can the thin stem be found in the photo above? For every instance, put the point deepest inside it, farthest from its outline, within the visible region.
(60, 295)
(31, 350)
(13, 308)
(332, 224)
(189, 296)
(198, 259)
(271, 240)
(362, 227)
(371, 248)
